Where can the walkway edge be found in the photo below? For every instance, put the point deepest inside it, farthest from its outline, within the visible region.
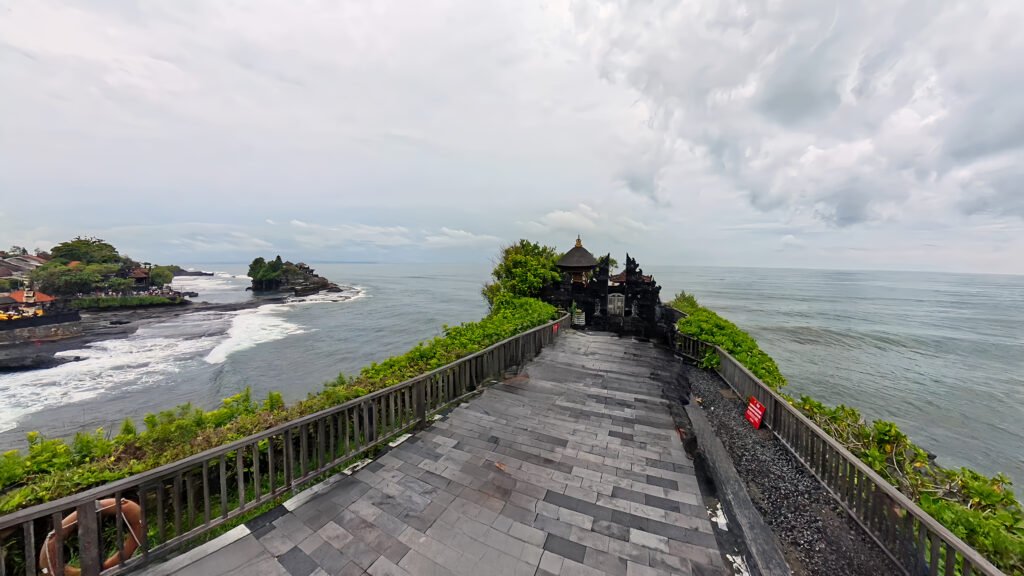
(176, 563)
(765, 552)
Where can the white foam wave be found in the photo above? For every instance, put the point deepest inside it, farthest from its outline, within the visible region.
(250, 328)
(142, 359)
(151, 355)
(348, 293)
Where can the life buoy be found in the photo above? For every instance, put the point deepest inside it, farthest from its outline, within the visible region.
(130, 512)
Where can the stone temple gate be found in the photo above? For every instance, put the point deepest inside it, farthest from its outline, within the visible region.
(627, 303)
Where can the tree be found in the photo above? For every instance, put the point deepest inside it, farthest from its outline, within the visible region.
(120, 285)
(87, 250)
(257, 265)
(161, 275)
(17, 251)
(58, 279)
(266, 275)
(524, 269)
(612, 262)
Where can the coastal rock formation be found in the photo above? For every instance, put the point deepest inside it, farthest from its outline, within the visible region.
(277, 275)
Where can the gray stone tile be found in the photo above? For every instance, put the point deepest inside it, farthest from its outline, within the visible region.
(611, 530)
(385, 567)
(277, 542)
(419, 565)
(329, 559)
(605, 562)
(312, 542)
(648, 540)
(565, 548)
(561, 471)
(227, 560)
(360, 553)
(335, 535)
(297, 562)
(291, 527)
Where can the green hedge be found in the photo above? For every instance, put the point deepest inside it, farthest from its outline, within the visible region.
(52, 468)
(110, 303)
(981, 510)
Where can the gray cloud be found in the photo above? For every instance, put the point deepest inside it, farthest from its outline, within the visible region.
(792, 132)
(837, 109)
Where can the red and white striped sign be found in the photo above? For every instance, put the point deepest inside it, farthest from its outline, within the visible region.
(755, 412)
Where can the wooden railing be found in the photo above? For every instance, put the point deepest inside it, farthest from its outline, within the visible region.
(133, 521)
(916, 542)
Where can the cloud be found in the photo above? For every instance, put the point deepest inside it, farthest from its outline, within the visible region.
(451, 238)
(789, 241)
(849, 112)
(320, 236)
(700, 132)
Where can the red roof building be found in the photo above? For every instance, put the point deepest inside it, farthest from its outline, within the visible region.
(620, 278)
(31, 297)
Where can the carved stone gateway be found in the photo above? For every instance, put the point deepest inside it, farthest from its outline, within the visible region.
(628, 302)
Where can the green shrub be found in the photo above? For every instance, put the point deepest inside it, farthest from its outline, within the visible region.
(111, 302)
(12, 467)
(274, 402)
(705, 325)
(523, 270)
(90, 447)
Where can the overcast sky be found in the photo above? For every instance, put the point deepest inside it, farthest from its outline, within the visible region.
(807, 133)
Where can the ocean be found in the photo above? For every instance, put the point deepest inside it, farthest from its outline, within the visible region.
(942, 355)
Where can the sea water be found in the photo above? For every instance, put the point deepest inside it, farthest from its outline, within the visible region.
(942, 355)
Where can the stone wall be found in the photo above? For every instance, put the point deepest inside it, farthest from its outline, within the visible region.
(35, 333)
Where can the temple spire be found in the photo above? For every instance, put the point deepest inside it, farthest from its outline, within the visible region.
(579, 243)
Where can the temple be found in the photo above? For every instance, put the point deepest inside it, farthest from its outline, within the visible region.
(627, 303)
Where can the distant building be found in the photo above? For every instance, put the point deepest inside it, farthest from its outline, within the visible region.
(140, 276)
(19, 266)
(21, 304)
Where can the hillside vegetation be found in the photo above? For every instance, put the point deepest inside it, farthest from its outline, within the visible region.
(981, 510)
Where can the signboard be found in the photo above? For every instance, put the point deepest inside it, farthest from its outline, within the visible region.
(554, 328)
(755, 412)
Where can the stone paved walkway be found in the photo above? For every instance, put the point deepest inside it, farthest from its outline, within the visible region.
(572, 468)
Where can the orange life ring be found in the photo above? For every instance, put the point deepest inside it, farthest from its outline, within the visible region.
(132, 515)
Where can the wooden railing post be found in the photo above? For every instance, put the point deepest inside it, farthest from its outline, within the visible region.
(88, 538)
(419, 394)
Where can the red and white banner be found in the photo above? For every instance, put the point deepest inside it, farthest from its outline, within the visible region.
(755, 412)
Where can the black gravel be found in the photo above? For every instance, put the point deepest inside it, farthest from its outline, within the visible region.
(816, 534)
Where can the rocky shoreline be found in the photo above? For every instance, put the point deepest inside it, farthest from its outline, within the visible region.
(107, 325)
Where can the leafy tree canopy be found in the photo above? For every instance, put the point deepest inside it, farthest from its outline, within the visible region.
(522, 271)
(59, 280)
(161, 275)
(87, 250)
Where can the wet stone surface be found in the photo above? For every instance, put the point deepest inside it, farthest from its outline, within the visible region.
(572, 468)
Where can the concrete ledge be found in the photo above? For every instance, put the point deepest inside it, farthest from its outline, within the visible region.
(179, 562)
(765, 553)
